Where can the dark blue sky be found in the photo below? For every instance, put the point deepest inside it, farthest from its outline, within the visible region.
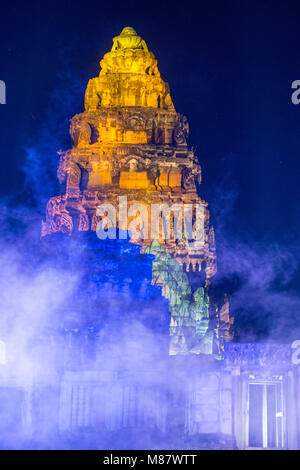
(230, 65)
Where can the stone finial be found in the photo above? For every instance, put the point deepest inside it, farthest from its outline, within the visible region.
(128, 39)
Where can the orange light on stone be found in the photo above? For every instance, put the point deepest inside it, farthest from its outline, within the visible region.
(134, 180)
(100, 175)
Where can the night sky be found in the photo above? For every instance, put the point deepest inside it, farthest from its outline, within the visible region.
(230, 65)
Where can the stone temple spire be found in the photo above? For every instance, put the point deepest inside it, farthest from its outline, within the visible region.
(129, 77)
(130, 142)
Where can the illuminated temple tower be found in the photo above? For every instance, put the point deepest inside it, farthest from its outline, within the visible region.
(139, 355)
(131, 144)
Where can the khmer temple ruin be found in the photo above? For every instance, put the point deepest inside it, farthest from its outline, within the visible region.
(147, 352)
(130, 142)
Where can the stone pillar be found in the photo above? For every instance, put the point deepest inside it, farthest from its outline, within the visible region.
(240, 408)
(292, 394)
(226, 403)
